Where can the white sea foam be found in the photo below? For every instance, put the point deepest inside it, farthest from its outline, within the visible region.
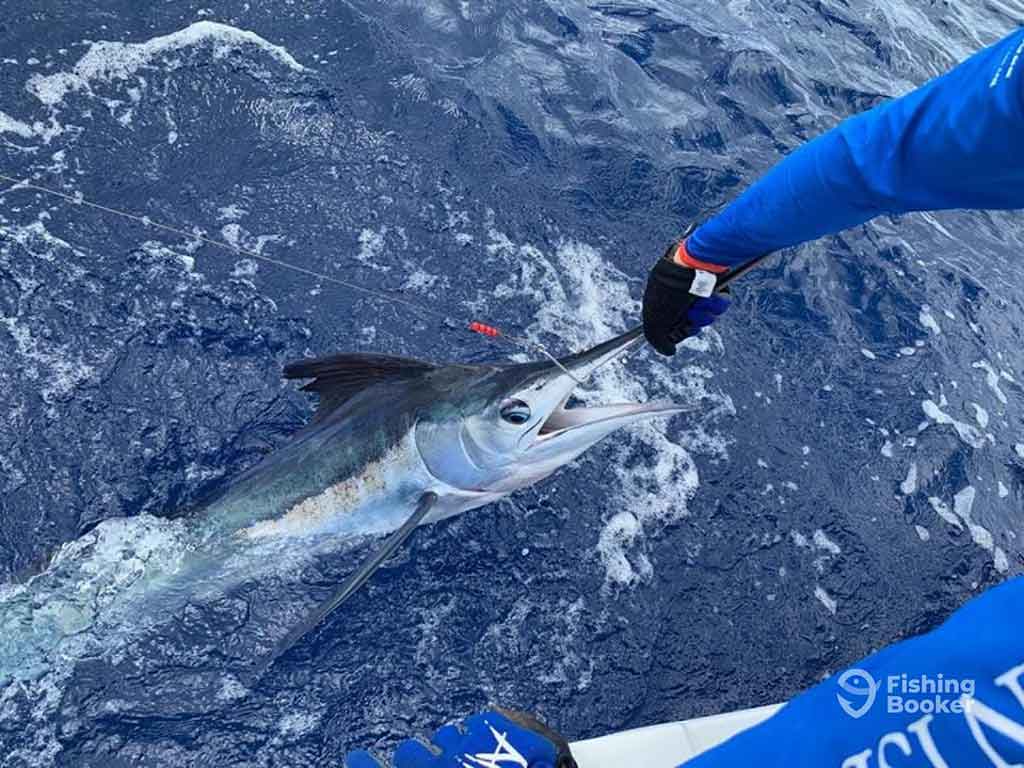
(79, 604)
(582, 298)
(824, 547)
(830, 603)
(823, 542)
(237, 236)
(107, 61)
(180, 254)
(980, 415)
(620, 534)
(566, 667)
(299, 122)
(909, 485)
(245, 268)
(926, 319)
(233, 212)
(991, 378)
(231, 689)
(232, 233)
(962, 516)
(1000, 561)
(966, 432)
(942, 510)
(38, 241)
(963, 503)
(9, 125)
(296, 724)
(418, 279)
(57, 368)
(371, 248)
(561, 665)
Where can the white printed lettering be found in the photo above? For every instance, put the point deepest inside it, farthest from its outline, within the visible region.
(1011, 680)
(860, 760)
(924, 737)
(978, 714)
(896, 739)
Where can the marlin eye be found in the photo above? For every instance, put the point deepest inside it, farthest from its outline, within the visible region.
(515, 412)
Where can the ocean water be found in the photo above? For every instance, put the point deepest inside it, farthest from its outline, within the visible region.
(853, 469)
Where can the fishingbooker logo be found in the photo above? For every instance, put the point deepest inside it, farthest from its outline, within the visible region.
(904, 694)
(862, 686)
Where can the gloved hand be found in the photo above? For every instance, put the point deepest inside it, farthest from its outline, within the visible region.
(680, 299)
(494, 739)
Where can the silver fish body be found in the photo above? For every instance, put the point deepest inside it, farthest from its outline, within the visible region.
(467, 434)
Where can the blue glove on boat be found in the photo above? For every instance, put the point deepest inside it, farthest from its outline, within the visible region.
(493, 739)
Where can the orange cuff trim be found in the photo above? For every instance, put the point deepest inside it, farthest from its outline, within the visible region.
(683, 257)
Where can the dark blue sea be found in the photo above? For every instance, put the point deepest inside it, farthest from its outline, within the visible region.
(852, 470)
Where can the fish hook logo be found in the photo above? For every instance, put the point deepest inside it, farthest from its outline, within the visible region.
(504, 754)
(858, 683)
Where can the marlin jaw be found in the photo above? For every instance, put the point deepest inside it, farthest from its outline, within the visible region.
(563, 419)
(572, 430)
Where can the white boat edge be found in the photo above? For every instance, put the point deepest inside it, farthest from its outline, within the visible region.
(669, 744)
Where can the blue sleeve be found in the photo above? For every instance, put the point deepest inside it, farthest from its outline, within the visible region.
(954, 697)
(956, 142)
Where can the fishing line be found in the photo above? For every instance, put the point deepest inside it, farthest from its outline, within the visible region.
(474, 326)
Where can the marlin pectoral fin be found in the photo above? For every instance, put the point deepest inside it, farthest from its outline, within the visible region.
(359, 577)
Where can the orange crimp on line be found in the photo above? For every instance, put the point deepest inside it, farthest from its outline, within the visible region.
(486, 330)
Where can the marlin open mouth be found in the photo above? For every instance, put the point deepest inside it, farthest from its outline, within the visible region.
(590, 422)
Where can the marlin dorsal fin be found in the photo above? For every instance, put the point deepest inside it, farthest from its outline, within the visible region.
(337, 378)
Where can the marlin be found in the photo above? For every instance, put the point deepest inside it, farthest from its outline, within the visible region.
(394, 443)
(397, 442)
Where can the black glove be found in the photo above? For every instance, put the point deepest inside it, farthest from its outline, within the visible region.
(678, 302)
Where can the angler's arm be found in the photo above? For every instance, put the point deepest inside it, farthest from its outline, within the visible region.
(952, 697)
(956, 142)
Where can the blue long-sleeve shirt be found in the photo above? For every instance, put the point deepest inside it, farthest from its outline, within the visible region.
(956, 142)
(953, 698)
